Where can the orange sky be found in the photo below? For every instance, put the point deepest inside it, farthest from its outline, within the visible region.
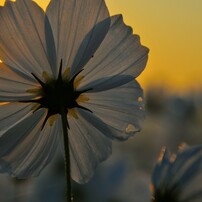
(172, 29)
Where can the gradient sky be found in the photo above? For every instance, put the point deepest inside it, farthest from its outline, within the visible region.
(172, 29)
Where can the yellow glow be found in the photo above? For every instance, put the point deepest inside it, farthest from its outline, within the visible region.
(72, 113)
(52, 119)
(172, 30)
(78, 80)
(4, 103)
(42, 3)
(82, 98)
(66, 73)
(35, 107)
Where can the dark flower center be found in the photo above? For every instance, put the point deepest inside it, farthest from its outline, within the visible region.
(57, 95)
(167, 196)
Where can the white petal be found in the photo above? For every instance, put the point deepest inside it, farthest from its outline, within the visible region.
(177, 175)
(14, 85)
(25, 149)
(119, 54)
(122, 109)
(161, 171)
(88, 147)
(13, 113)
(184, 154)
(188, 159)
(78, 28)
(24, 31)
(106, 83)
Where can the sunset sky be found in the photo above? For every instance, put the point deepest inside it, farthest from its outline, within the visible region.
(172, 29)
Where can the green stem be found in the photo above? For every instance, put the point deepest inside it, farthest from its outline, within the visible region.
(67, 156)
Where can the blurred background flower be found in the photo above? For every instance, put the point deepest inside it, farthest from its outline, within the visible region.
(177, 177)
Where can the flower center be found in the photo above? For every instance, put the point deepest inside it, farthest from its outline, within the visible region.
(57, 95)
(166, 196)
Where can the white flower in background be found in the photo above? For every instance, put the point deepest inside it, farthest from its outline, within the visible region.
(177, 178)
(74, 55)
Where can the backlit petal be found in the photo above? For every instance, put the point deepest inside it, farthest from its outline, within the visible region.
(88, 147)
(178, 176)
(120, 53)
(162, 168)
(78, 28)
(13, 113)
(23, 37)
(14, 85)
(122, 109)
(25, 149)
(189, 159)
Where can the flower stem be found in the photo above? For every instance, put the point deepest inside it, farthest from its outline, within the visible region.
(67, 156)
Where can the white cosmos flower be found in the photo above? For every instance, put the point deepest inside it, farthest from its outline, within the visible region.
(73, 53)
(177, 178)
